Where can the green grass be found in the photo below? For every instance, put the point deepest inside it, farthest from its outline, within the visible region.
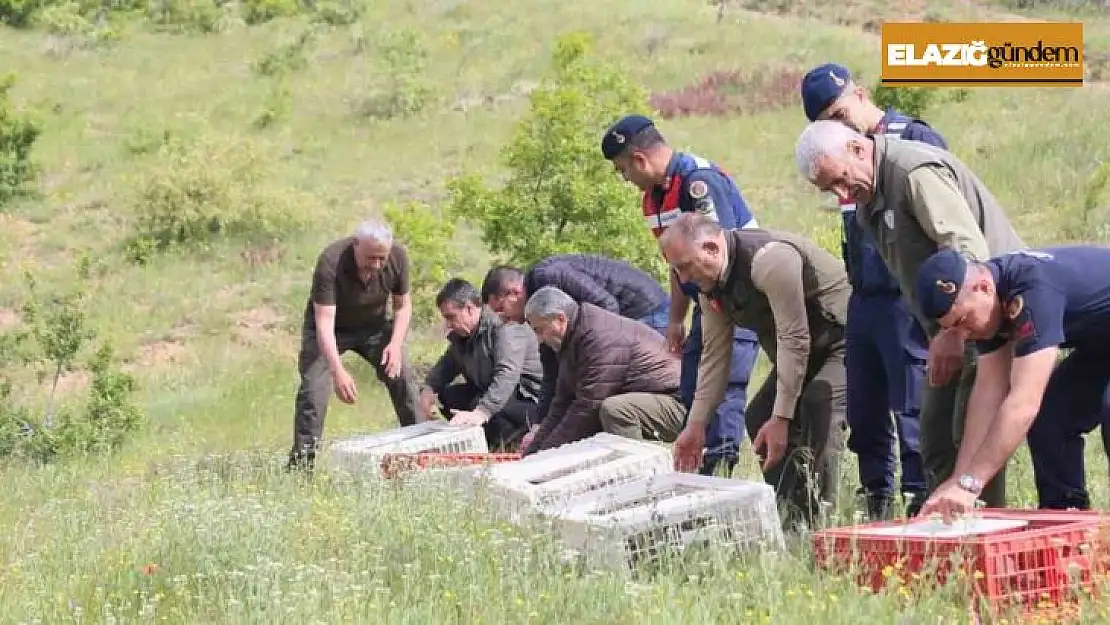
(213, 338)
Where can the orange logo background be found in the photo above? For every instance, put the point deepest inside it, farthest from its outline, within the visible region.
(990, 54)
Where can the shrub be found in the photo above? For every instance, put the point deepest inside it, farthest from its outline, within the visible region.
(73, 27)
(736, 92)
(561, 195)
(912, 101)
(18, 134)
(55, 337)
(288, 57)
(433, 258)
(261, 11)
(18, 13)
(402, 58)
(199, 192)
(188, 16)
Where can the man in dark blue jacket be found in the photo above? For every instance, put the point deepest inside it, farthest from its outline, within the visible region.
(610, 284)
(886, 348)
(1022, 309)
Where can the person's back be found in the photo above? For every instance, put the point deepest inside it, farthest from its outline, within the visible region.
(616, 375)
(635, 294)
(1068, 288)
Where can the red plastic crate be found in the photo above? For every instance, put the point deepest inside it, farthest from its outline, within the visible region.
(1044, 565)
(393, 465)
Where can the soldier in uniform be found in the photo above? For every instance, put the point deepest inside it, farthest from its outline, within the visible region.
(1022, 308)
(674, 183)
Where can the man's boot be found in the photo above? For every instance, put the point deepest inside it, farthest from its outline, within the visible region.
(914, 500)
(879, 506)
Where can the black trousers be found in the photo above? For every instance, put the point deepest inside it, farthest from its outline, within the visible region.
(317, 387)
(506, 428)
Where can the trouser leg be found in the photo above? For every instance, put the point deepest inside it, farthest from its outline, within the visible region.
(871, 435)
(1073, 405)
(816, 437)
(643, 415)
(905, 352)
(505, 428)
(311, 403)
(404, 392)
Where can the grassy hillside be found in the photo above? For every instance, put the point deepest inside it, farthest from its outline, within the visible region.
(193, 520)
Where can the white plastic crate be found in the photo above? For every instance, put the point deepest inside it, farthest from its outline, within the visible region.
(624, 526)
(364, 453)
(554, 475)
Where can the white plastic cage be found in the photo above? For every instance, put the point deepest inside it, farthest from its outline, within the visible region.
(364, 453)
(555, 475)
(626, 526)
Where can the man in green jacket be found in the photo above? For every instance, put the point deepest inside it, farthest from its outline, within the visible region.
(914, 199)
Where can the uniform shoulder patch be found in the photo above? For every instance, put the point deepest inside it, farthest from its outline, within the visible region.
(698, 189)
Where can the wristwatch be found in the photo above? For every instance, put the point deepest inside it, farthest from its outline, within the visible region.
(970, 484)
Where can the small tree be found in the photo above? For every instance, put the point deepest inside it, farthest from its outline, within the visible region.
(433, 259)
(18, 133)
(56, 336)
(561, 195)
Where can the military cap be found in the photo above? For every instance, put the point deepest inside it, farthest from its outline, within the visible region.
(821, 86)
(618, 135)
(939, 280)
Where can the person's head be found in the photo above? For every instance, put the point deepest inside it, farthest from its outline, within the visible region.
(373, 242)
(694, 246)
(550, 312)
(836, 159)
(959, 294)
(460, 307)
(637, 151)
(503, 292)
(829, 92)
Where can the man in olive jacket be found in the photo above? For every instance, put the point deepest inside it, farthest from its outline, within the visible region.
(499, 363)
(616, 375)
(914, 199)
(794, 296)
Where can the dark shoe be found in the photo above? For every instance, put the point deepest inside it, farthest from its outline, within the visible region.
(879, 506)
(913, 501)
(712, 465)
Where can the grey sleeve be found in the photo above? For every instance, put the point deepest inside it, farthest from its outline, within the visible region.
(508, 361)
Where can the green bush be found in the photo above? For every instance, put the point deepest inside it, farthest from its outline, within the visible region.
(402, 59)
(432, 256)
(262, 11)
(18, 13)
(197, 193)
(54, 338)
(188, 16)
(18, 134)
(562, 196)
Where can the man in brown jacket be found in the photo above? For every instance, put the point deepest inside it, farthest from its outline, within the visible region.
(616, 374)
(914, 199)
(794, 296)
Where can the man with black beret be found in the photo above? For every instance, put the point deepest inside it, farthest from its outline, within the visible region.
(1021, 308)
